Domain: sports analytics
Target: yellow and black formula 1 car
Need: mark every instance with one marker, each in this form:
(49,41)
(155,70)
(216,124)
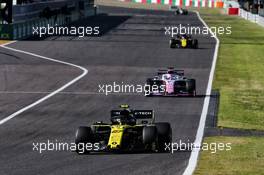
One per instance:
(129,130)
(184,41)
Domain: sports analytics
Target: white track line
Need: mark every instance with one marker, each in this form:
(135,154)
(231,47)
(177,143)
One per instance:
(85,71)
(200,132)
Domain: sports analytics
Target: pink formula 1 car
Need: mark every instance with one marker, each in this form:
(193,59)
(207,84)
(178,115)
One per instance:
(171,82)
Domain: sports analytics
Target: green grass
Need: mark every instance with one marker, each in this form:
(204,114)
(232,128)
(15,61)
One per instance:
(240,71)
(240,78)
(245,158)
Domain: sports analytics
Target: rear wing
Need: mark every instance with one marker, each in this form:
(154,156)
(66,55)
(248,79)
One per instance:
(171,71)
(174,7)
(142,116)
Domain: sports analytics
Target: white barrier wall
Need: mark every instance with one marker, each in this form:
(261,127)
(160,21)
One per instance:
(251,17)
(260,20)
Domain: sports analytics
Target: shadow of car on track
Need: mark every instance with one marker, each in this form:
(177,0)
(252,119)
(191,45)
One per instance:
(178,150)
(120,153)
(197,96)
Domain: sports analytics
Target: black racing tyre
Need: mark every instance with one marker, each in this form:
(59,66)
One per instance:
(195,44)
(149,95)
(149,81)
(191,86)
(149,134)
(149,87)
(172,43)
(164,132)
(83,136)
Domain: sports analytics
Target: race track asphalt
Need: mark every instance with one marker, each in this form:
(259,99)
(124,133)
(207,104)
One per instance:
(132,47)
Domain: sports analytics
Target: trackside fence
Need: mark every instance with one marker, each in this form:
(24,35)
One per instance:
(251,17)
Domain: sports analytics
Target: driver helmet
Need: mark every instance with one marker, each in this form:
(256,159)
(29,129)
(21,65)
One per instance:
(167,76)
(127,118)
